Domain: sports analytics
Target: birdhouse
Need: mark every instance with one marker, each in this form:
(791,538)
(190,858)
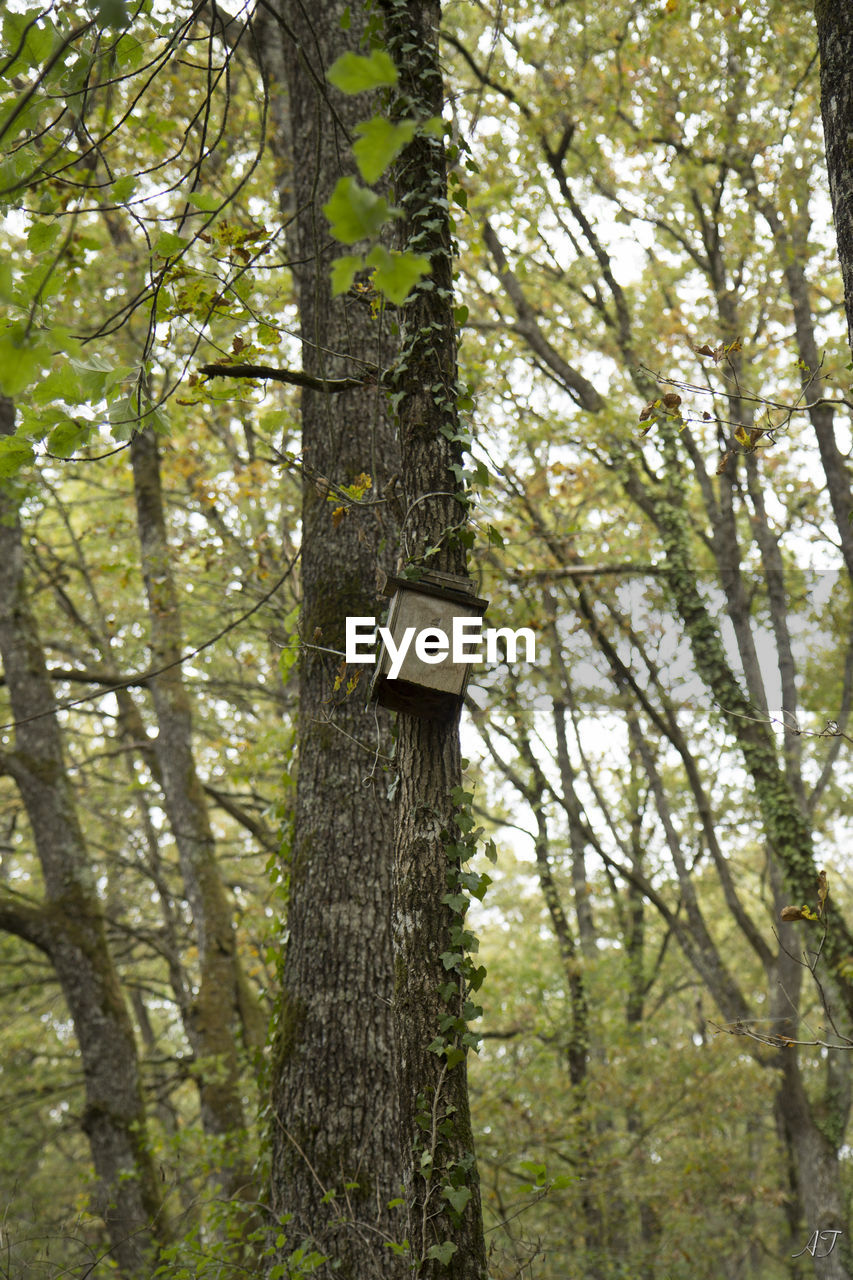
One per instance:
(432,640)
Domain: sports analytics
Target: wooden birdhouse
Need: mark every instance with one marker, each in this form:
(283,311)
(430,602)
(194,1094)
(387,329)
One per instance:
(434,627)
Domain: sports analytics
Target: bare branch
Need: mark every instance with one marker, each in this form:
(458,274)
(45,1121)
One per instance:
(294,377)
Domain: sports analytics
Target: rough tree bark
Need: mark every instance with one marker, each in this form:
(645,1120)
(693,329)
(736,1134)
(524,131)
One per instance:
(69,927)
(835,40)
(445,1228)
(334,1117)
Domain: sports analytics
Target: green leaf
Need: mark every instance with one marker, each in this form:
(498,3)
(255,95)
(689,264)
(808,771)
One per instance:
(168,244)
(128,52)
(399,1249)
(344,271)
(123,418)
(21,360)
(42,235)
(536,1170)
(39,39)
(77,75)
(67,437)
(379,144)
(354,213)
(92,376)
(15,453)
(456,901)
(112,13)
(442,1252)
(396,274)
(458,1197)
(123,188)
(352,73)
(479,890)
(204,200)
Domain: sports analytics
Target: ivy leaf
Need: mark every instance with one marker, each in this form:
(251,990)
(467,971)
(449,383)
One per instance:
(352,73)
(380,143)
(354,213)
(396,274)
(458,1197)
(442,1252)
(456,901)
(479,890)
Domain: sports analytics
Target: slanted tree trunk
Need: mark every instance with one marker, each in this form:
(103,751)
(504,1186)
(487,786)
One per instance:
(70,925)
(445,1227)
(835,40)
(335,1156)
(224,1015)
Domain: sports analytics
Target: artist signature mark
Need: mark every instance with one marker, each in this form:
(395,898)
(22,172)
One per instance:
(820,1245)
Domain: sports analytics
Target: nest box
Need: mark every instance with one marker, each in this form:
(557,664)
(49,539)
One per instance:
(434,610)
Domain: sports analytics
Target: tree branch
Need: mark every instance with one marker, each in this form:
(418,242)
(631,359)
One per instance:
(256,826)
(528,326)
(21,918)
(292,376)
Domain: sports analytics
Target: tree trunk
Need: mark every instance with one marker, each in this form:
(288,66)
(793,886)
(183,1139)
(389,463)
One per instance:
(431,985)
(224,1013)
(817,1173)
(72,925)
(788,832)
(835,40)
(335,1153)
